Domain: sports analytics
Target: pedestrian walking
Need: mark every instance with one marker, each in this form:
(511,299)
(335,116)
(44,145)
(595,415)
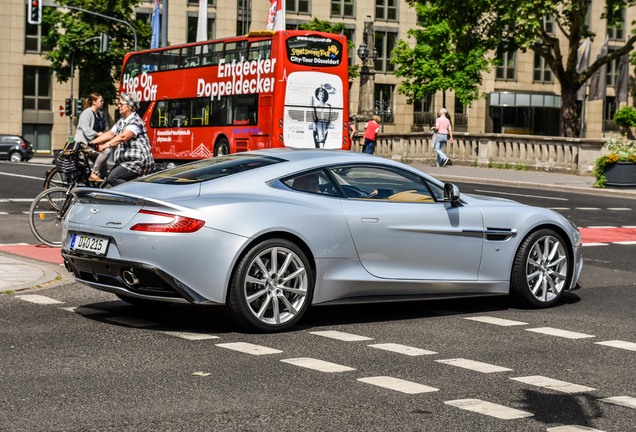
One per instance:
(444,133)
(371,134)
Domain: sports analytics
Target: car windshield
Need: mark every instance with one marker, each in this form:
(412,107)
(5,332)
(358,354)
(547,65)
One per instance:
(208,169)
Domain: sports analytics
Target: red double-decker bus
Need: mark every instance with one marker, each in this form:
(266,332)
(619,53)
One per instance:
(265,89)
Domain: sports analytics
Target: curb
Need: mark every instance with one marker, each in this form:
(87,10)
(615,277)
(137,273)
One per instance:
(26,273)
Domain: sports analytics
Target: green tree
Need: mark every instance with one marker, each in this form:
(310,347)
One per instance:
(456,43)
(74,38)
(328,27)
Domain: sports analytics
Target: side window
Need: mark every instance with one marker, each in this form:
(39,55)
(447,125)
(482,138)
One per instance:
(316,182)
(369,182)
(211,53)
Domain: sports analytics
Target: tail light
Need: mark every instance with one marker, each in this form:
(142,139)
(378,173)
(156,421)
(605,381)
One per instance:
(24,145)
(172,224)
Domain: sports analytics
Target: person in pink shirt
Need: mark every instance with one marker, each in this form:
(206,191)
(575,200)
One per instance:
(444,134)
(371,134)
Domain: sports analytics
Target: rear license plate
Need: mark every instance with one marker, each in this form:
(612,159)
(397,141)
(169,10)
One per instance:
(94,245)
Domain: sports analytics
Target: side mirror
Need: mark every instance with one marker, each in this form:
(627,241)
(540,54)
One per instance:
(451,192)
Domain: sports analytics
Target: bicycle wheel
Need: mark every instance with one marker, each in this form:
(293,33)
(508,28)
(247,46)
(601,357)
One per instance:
(45,218)
(55,179)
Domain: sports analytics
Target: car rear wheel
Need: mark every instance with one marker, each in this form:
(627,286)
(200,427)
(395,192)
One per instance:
(271,287)
(542,270)
(15,156)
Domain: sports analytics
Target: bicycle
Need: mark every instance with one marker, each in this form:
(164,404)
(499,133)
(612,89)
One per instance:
(48,209)
(58,177)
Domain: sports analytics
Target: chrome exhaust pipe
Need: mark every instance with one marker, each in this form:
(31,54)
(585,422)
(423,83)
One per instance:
(130,278)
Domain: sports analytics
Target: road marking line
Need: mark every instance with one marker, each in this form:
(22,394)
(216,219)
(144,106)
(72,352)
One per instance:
(398,384)
(249,348)
(595,244)
(573,428)
(84,310)
(631,346)
(553,384)
(402,349)
(488,408)
(474,365)
(626,401)
(633,242)
(619,208)
(12,200)
(560,333)
(496,321)
(319,365)
(601,227)
(494,192)
(190,335)
(587,208)
(132,321)
(38,299)
(559,208)
(342,336)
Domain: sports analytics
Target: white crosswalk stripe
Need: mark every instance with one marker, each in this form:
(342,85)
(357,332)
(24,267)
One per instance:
(573,428)
(342,336)
(489,409)
(474,365)
(398,384)
(496,321)
(553,384)
(626,401)
(249,348)
(84,310)
(560,333)
(38,299)
(319,365)
(191,336)
(631,346)
(402,349)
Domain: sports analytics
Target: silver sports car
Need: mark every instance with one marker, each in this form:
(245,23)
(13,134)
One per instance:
(268,233)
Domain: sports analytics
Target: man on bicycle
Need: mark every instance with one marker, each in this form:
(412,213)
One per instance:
(129,138)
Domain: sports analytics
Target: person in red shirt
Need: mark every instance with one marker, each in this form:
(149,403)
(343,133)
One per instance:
(371,134)
(444,131)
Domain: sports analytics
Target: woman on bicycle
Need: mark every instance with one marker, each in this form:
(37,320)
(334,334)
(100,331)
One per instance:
(129,139)
(90,124)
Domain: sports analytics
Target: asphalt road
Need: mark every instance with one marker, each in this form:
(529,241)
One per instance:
(76,359)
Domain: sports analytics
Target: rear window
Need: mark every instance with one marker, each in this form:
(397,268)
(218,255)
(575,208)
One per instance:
(208,169)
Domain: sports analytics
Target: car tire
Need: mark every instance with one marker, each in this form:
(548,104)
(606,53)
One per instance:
(542,269)
(271,287)
(15,156)
(222,147)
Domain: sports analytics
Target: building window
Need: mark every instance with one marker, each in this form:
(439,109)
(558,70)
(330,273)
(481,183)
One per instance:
(386,10)
(423,114)
(297,6)
(542,73)
(244,20)
(548,24)
(33,37)
(36,84)
(193,23)
(612,71)
(195,2)
(39,135)
(343,8)
(618,33)
(384,44)
(507,65)
(384,102)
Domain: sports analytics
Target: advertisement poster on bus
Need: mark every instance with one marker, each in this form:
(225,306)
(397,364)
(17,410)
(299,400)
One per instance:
(313,110)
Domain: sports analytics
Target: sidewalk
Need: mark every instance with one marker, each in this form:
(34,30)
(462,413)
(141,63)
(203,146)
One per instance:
(28,266)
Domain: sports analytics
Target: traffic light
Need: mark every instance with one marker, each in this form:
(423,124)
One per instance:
(78,107)
(68,106)
(35,12)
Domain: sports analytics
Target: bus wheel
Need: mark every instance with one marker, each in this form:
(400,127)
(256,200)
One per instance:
(222,147)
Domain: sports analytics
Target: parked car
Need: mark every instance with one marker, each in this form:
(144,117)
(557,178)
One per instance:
(15,148)
(268,233)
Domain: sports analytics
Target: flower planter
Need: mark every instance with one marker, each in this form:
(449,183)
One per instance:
(621,174)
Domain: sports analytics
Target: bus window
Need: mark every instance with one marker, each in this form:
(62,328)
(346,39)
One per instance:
(211,53)
(160,115)
(190,57)
(260,50)
(235,51)
(169,59)
(200,111)
(132,66)
(219,112)
(245,110)
(150,61)
(179,112)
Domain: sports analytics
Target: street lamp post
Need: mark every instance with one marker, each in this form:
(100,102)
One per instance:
(368,54)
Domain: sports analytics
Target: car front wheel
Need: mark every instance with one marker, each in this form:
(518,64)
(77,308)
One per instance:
(272,286)
(542,269)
